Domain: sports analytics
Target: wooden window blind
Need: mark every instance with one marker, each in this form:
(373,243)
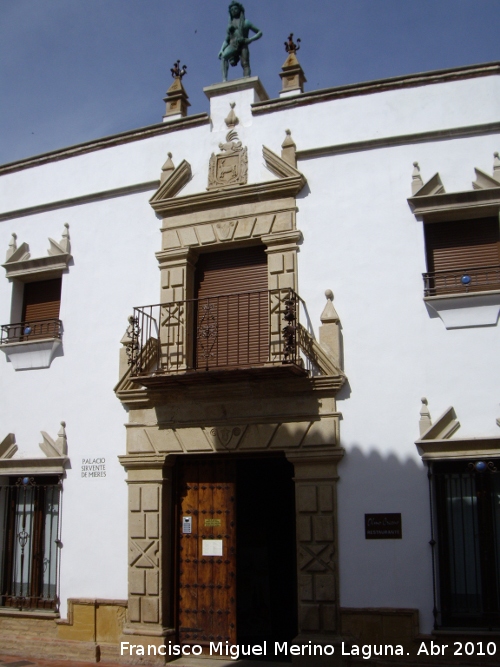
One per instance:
(463,256)
(232,308)
(462,244)
(42,300)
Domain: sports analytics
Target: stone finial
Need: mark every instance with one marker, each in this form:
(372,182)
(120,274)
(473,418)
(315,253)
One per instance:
(416,179)
(64,245)
(292,75)
(232,119)
(62,440)
(55,448)
(176,97)
(12,246)
(425,417)
(496,166)
(329,313)
(167,168)
(288,149)
(329,331)
(65,242)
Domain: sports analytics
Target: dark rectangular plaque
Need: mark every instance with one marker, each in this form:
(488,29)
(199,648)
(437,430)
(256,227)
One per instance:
(383,527)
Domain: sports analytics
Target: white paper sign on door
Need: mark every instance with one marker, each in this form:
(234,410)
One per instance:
(211,547)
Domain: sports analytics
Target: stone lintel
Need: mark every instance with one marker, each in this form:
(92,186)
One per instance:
(229,196)
(235,211)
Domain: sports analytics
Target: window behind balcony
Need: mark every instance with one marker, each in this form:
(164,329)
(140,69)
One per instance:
(462,256)
(41,304)
(232,319)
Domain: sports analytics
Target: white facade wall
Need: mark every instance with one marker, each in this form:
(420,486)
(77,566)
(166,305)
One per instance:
(360,239)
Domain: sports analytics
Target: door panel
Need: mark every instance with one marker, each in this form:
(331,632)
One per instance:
(207,583)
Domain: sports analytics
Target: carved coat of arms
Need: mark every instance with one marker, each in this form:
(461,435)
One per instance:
(229,167)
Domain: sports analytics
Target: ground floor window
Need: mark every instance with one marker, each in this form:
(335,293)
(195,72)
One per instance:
(467,505)
(29,538)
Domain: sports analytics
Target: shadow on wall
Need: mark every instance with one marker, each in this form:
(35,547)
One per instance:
(385,573)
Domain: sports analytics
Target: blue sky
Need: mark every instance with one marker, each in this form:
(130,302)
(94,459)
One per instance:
(74,70)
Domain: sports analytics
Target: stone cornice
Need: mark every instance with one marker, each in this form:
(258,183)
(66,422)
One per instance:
(54,465)
(457,204)
(458,448)
(240,194)
(37,268)
(131,395)
(377,86)
(107,142)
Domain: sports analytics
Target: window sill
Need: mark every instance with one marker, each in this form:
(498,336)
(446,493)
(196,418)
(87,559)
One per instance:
(460,311)
(28,355)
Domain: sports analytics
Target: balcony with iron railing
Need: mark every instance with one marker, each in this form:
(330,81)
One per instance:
(30,331)
(462,281)
(229,336)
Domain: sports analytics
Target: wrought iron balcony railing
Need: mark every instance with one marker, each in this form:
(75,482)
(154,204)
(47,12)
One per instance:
(258,329)
(479,279)
(30,331)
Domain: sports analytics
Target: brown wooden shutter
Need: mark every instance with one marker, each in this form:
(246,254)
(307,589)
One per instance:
(462,247)
(42,300)
(462,244)
(233,307)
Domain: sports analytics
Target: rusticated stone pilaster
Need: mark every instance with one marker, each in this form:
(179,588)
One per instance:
(317,561)
(150,534)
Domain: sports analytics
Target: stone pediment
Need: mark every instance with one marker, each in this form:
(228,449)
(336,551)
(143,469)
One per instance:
(174,183)
(289,183)
(20,265)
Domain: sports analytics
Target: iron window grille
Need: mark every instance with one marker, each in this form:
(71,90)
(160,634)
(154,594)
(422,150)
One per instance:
(30,508)
(466,504)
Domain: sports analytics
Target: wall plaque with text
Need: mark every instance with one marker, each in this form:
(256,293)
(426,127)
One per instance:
(383,527)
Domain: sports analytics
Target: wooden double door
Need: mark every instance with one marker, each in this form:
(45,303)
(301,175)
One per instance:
(236,564)
(207,552)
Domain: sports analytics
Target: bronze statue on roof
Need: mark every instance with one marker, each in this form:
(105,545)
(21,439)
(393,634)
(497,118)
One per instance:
(235,46)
